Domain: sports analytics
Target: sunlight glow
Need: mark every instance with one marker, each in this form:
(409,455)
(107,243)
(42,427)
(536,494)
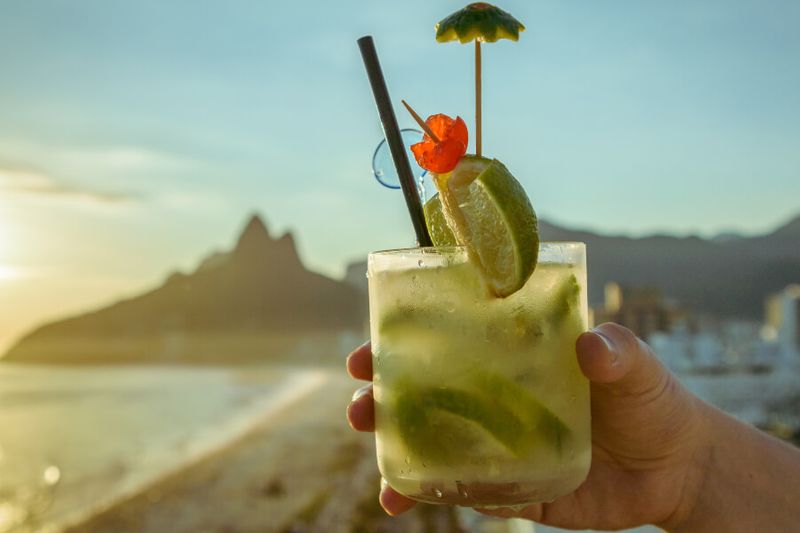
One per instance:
(6,239)
(9,273)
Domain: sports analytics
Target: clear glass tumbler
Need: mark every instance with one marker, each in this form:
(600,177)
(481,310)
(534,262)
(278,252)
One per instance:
(479,400)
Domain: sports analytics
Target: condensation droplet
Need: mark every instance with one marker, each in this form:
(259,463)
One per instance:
(420,262)
(437,493)
(408,460)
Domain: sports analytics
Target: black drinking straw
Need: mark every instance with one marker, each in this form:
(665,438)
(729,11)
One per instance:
(392,133)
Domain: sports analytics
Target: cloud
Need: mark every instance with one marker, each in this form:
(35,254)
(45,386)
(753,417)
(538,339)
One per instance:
(39,184)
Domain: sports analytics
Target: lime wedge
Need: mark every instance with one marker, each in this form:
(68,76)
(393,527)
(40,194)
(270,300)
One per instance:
(440,232)
(565,300)
(445,423)
(538,420)
(488,212)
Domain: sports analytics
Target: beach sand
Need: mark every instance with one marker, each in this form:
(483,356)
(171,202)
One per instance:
(302,469)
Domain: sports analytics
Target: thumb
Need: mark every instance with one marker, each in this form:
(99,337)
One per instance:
(612,356)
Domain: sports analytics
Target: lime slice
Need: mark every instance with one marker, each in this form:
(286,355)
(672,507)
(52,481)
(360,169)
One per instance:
(541,424)
(447,424)
(441,437)
(440,232)
(565,300)
(488,211)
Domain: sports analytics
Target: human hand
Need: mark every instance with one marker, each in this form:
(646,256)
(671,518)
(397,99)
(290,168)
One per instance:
(649,442)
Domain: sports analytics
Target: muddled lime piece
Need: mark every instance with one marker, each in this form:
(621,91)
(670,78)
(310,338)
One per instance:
(539,421)
(447,424)
(440,232)
(488,212)
(444,424)
(565,300)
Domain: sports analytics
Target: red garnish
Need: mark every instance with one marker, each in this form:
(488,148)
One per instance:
(442,156)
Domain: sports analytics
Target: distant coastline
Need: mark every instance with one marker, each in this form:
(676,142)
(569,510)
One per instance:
(253,304)
(196,348)
(258,302)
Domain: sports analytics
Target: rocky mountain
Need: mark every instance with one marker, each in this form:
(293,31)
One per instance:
(260,287)
(723,277)
(258,299)
(728,278)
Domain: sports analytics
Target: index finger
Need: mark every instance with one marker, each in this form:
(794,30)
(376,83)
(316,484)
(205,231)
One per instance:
(359,362)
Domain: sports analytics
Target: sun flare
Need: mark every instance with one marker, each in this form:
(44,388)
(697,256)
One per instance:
(9,273)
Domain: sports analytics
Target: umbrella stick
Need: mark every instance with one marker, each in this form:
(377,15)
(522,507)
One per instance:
(421,123)
(478,97)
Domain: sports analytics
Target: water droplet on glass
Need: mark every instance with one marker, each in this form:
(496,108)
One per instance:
(462,489)
(437,493)
(51,475)
(408,460)
(420,263)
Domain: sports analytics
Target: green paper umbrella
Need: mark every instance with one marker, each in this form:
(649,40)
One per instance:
(478,22)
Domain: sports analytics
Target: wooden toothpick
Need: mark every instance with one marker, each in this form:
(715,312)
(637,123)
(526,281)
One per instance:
(421,123)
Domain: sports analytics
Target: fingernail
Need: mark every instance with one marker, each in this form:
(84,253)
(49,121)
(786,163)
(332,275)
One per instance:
(363,391)
(612,349)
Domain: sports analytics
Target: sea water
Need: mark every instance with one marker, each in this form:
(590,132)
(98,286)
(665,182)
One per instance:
(73,439)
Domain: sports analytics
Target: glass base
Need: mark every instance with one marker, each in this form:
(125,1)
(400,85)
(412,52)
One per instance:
(490,494)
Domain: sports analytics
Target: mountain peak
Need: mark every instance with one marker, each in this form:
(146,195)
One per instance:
(256,246)
(254,236)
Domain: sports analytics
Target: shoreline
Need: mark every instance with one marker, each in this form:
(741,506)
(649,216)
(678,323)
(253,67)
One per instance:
(297,387)
(303,470)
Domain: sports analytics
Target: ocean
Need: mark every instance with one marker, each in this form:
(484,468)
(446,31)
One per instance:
(73,440)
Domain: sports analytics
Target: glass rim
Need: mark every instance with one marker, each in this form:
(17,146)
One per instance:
(543,245)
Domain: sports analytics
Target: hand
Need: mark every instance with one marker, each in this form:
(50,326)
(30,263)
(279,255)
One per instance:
(649,444)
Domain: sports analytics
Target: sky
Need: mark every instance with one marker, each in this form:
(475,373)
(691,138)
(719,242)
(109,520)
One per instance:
(137,137)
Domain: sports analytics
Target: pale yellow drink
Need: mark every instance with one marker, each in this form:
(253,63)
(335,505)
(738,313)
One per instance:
(479,400)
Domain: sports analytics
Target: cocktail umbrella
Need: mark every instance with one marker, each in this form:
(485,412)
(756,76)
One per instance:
(479,22)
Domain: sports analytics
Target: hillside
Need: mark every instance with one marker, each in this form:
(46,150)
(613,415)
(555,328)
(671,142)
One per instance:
(259,288)
(258,300)
(727,277)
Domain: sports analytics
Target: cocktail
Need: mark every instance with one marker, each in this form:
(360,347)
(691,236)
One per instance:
(479,400)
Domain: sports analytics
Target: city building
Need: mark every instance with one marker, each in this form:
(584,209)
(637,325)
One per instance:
(641,309)
(788,326)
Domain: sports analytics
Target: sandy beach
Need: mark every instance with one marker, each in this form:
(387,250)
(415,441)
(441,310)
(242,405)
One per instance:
(299,469)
